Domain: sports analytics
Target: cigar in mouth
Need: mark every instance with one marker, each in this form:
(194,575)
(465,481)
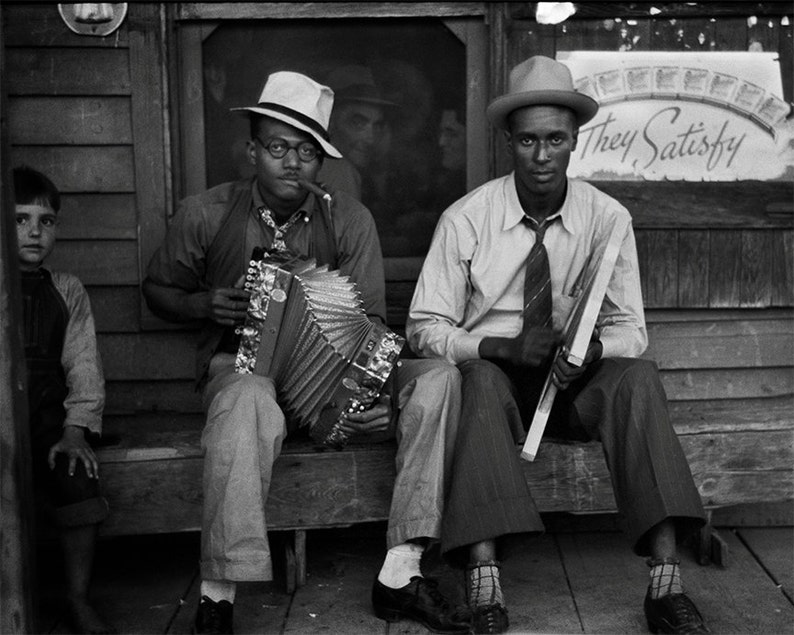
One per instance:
(315,189)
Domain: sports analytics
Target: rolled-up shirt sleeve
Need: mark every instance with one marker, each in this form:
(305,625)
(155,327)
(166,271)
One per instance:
(621,322)
(441,296)
(85,400)
(180,259)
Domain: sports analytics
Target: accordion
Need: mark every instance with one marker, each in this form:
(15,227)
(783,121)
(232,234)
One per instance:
(306,329)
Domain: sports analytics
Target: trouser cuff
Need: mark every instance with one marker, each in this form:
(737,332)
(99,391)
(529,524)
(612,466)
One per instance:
(237,570)
(412,529)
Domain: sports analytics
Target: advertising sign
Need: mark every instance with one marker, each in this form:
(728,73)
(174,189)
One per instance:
(666,115)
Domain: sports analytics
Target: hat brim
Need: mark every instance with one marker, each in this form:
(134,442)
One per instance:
(583,106)
(330,150)
(375,101)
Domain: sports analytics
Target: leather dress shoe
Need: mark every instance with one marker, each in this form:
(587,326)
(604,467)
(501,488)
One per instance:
(489,619)
(673,613)
(214,617)
(419,600)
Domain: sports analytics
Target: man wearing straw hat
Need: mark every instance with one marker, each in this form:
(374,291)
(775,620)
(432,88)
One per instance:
(493,295)
(197,275)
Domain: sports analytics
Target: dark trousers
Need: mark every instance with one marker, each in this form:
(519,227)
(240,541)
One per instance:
(618,401)
(63,500)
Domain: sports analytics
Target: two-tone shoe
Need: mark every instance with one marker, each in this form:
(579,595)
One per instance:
(214,617)
(673,613)
(421,601)
(489,619)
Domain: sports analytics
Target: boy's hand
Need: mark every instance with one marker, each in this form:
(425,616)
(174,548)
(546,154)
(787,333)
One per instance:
(375,419)
(74,446)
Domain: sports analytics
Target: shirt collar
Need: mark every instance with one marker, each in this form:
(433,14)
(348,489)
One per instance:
(305,208)
(514,214)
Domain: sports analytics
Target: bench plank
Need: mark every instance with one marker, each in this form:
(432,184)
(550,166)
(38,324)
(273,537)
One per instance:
(152,471)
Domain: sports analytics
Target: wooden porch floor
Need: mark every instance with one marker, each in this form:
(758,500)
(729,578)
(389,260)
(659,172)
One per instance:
(560,582)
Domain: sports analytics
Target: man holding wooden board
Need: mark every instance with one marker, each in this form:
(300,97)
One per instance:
(505,269)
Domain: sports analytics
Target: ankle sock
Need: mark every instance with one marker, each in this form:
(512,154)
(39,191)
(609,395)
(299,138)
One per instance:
(400,565)
(484,588)
(217,590)
(665,577)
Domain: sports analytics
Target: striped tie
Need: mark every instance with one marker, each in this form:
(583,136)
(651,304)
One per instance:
(537,283)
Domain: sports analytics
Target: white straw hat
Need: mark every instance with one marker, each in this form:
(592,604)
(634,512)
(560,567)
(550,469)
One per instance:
(299,101)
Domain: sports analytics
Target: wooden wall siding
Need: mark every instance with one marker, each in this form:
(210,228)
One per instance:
(106,262)
(70,116)
(81,120)
(113,308)
(82,168)
(98,216)
(68,71)
(715,269)
(129,397)
(88,112)
(703,205)
(679,269)
(783,270)
(702,355)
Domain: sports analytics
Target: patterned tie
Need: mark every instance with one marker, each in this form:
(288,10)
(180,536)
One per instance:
(537,283)
(279,231)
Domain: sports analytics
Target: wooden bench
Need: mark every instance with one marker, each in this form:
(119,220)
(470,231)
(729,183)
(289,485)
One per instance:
(729,377)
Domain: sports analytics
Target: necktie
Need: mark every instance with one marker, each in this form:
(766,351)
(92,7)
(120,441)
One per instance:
(279,231)
(537,283)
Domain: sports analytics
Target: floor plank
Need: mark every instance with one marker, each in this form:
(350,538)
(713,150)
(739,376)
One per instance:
(535,587)
(341,568)
(129,586)
(775,549)
(607,581)
(560,582)
(740,598)
(259,607)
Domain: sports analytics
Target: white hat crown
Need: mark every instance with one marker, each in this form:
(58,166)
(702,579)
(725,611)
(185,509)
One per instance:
(299,101)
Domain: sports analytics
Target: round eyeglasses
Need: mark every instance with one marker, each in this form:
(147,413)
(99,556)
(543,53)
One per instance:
(278,148)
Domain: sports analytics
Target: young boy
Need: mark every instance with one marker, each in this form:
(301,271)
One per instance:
(66,392)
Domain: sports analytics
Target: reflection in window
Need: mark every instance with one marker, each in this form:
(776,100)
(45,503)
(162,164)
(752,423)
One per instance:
(399,117)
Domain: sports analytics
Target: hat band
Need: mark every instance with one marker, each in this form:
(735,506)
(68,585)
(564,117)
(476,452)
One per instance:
(298,116)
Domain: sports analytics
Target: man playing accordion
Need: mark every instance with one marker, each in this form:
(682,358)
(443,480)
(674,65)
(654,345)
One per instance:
(197,274)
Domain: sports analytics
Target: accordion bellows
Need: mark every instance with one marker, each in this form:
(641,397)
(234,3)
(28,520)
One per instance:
(307,330)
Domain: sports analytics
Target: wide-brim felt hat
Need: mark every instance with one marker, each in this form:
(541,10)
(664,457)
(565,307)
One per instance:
(541,81)
(299,101)
(357,83)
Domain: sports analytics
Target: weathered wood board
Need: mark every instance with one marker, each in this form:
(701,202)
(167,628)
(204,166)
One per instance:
(732,462)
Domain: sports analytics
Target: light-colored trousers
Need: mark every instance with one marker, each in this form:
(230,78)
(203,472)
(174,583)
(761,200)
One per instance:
(243,435)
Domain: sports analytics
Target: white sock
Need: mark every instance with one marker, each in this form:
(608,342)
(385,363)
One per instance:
(400,565)
(217,590)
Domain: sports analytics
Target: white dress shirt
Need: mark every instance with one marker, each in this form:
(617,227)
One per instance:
(472,282)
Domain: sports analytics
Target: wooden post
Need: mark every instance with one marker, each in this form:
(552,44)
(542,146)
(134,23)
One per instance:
(16,511)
